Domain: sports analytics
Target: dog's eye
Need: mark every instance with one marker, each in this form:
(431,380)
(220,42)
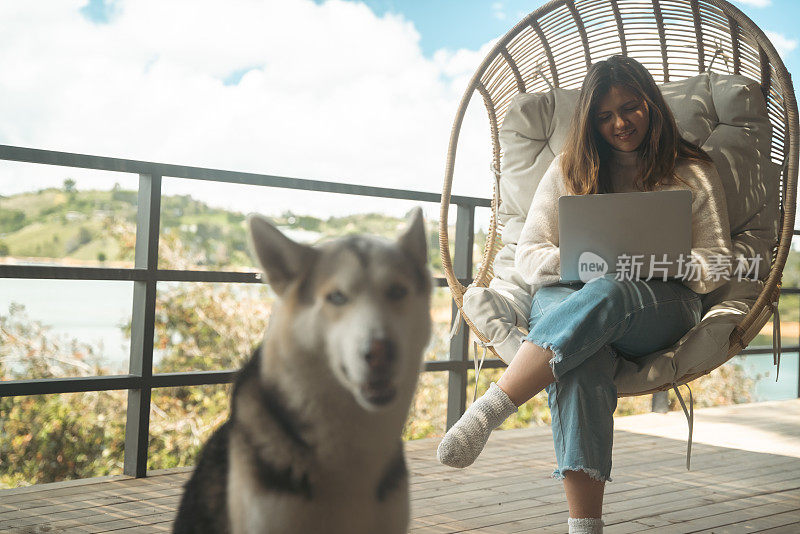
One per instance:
(396,292)
(337,298)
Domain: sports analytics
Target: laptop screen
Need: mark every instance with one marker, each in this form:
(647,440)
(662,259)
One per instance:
(641,235)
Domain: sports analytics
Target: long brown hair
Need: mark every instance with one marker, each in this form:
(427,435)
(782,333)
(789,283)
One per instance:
(584,161)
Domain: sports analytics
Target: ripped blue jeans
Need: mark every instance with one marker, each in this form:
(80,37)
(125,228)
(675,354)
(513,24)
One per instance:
(586,326)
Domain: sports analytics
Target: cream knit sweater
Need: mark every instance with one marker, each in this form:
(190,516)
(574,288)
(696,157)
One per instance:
(537,256)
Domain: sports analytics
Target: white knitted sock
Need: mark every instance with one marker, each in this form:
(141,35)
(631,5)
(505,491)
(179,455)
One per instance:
(585,525)
(465,440)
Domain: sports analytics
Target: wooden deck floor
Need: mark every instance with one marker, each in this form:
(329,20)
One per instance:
(745,477)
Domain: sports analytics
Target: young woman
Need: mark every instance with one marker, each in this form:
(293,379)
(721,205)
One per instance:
(623,138)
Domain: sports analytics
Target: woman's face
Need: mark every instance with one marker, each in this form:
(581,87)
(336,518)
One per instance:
(622,118)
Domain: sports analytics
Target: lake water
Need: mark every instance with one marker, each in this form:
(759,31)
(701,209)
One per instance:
(94,311)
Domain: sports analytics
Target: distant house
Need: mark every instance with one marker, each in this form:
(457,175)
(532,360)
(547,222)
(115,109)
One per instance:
(301,236)
(101,215)
(72,216)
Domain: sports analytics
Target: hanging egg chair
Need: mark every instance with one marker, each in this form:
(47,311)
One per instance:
(731,94)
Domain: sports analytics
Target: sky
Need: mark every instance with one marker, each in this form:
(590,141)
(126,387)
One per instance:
(338,90)
(454,24)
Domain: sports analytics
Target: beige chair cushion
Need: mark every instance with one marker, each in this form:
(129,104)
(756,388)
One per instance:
(497,318)
(726,115)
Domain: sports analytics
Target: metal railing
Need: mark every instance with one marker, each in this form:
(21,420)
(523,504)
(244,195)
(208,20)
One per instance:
(145,275)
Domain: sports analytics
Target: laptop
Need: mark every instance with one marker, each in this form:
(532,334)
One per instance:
(624,234)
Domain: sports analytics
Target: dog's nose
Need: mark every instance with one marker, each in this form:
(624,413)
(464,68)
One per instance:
(379,355)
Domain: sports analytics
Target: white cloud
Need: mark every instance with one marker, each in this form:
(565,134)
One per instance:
(497,11)
(754,3)
(329,91)
(782,44)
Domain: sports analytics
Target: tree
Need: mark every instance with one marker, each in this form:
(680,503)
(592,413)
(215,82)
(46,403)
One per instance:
(69,186)
(45,438)
(11,220)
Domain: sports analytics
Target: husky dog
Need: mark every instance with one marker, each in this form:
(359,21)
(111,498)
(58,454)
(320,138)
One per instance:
(313,443)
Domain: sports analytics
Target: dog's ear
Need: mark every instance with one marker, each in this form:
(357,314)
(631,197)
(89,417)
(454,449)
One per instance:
(282,259)
(413,240)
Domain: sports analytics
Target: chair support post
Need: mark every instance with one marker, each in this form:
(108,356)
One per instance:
(459,345)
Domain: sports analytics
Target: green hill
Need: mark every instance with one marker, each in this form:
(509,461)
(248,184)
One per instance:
(91,227)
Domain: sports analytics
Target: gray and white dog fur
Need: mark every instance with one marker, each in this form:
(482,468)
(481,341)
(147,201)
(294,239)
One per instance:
(313,443)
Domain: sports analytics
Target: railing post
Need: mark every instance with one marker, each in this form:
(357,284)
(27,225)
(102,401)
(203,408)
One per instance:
(660,402)
(459,345)
(137,425)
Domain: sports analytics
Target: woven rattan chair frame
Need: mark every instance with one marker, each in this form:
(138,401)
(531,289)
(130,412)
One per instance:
(675,39)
